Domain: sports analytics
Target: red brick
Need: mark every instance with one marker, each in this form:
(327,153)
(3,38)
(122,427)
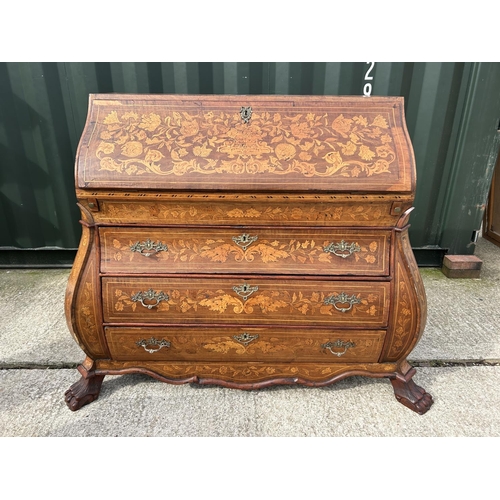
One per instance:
(461,273)
(462,262)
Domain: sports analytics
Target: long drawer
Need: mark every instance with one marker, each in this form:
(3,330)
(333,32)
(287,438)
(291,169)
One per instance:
(243,344)
(245,301)
(277,250)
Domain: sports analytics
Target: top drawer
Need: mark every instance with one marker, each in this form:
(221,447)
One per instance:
(256,250)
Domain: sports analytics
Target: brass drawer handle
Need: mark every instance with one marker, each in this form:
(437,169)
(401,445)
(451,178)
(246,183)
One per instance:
(152,341)
(342,298)
(149,295)
(338,344)
(245,240)
(245,338)
(342,249)
(245,290)
(148,247)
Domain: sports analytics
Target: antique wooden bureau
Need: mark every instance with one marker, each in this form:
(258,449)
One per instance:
(245,241)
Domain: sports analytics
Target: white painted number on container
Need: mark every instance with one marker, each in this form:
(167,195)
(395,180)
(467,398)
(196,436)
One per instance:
(367,89)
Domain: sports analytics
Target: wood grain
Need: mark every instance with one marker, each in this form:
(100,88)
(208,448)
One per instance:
(204,343)
(274,301)
(274,251)
(246,250)
(304,143)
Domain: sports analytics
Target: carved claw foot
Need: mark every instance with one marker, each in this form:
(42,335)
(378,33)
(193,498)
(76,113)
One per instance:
(84,391)
(410,394)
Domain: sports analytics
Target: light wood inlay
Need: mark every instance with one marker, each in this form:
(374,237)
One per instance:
(274,251)
(275,301)
(245,241)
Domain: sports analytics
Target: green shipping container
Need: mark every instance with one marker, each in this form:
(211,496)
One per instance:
(452,112)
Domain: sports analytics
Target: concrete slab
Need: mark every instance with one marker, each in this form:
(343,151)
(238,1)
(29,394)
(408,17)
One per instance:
(463,319)
(32,323)
(466,403)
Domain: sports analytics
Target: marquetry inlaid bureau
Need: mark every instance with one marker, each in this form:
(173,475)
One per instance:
(245,241)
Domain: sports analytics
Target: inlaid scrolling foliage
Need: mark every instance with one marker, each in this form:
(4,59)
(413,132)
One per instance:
(274,345)
(209,142)
(254,372)
(262,302)
(86,317)
(404,315)
(226,344)
(267,251)
(233,213)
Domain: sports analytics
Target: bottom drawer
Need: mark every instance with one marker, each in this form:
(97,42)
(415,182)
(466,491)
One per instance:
(184,343)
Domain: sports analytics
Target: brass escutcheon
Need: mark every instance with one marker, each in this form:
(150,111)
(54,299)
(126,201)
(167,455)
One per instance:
(246,113)
(342,298)
(339,344)
(245,290)
(149,295)
(148,247)
(342,249)
(152,341)
(245,338)
(244,240)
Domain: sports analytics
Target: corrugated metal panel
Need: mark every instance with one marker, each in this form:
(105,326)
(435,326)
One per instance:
(452,111)
(37,203)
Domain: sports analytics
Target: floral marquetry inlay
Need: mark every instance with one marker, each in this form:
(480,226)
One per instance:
(250,372)
(297,345)
(245,241)
(87,313)
(262,302)
(266,251)
(233,213)
(322,144)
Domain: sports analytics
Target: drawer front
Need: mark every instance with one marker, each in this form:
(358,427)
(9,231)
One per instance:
(243,344)
(274,251)
(277,209)
(249,301)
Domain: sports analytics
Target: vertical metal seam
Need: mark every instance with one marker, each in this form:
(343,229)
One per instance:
(463,126)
